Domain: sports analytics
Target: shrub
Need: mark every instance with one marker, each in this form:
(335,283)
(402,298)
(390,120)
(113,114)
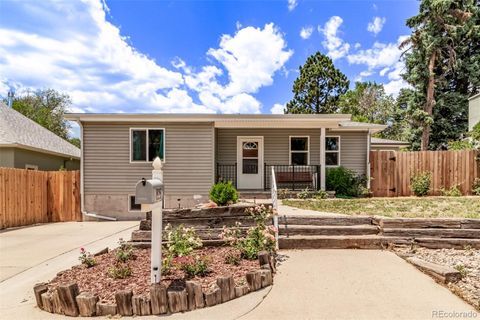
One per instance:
(167,264)
(304,194)
(258,238)
(87,258)
(321,194)
(233,257)
(181,241)
(223,193)
(420,183)
(452,192)
(120,271)
(476,187)
(344,182)
(193,266)
(283,193)
(461,145)
(124,251)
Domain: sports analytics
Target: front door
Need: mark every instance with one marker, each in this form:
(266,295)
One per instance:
(250,162)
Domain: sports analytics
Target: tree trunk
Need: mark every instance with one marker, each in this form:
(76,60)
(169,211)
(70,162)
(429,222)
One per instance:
(430,101)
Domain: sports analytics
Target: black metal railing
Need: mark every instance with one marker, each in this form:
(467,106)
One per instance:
(293,177)
(226,172)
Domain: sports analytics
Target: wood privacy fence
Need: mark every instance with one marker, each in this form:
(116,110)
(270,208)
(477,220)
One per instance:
(29,197)
(391,171)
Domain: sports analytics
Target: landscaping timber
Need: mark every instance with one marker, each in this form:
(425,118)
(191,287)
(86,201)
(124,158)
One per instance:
(177,300)
(213,296)
(38,290)
(106,309)
(87,303)
(227,288)
(443,273)
(325,221)
(47,302)
(241,290)
(195,295)
(437,233)
(158,297)
(447,243)
(141,305)
(293,230)
(254,280)
(123,300)
(266,278)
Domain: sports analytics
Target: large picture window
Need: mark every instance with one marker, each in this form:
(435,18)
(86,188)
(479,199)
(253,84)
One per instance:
(147,144)
(299,151)
(332,151)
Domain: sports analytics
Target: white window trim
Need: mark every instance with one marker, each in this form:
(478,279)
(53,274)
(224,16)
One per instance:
(290,149)
(146,129)
(31,167)
(333,151)
(129,204)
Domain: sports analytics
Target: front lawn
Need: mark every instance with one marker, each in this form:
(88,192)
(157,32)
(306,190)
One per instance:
(411,207)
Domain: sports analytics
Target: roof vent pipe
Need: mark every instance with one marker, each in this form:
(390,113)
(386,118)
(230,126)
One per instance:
(10,95)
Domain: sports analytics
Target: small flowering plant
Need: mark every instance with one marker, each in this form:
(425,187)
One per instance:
(124,251)
(86,258)
(181,241)
(192,266)
(261,214)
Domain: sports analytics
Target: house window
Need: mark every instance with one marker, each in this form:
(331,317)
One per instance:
(332,151)
(299,151)
(31,167)
(250,157)
(147,144)
(132,206)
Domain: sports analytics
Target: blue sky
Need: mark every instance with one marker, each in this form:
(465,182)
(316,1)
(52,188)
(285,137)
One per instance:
(193,56)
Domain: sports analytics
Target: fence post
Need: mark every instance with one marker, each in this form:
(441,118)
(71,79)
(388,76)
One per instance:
(264,176)
(293,177)
(318,178)
(235,175)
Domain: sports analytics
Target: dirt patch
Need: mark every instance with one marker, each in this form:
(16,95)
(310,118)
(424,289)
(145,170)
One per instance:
(98,281)
(467,262)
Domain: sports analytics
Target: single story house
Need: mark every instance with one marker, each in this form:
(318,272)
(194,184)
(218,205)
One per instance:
(25,144)
(200,149)
(378,144)
(473,111)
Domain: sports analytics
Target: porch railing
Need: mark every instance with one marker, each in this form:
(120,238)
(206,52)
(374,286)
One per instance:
(226,172)
(293,177)
(274,197)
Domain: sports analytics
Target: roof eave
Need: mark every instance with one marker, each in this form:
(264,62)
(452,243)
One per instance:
(22,146)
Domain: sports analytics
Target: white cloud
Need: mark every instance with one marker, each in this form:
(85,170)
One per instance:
(337,48)
(384,71)
(306,32)
(357,45)
(376,25)
(292,4)
(277,108)
(380,55)
(70,46)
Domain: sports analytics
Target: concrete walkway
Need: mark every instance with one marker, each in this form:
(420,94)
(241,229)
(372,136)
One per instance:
(292,211)
(35,254)
(354,284)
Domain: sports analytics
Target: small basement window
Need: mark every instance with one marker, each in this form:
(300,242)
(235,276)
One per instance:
(299,151)
(147,144)
(132,206)
(332,151)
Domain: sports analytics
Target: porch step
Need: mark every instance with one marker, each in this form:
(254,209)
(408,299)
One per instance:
(339,242)
(253,194)
(322,220)
(148,244)
(292,230)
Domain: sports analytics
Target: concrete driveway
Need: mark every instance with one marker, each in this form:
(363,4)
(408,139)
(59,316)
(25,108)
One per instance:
(35,254)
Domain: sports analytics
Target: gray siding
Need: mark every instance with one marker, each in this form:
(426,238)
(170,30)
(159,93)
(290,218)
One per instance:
(188,168)
(19,158)
(7,158)
(353,145)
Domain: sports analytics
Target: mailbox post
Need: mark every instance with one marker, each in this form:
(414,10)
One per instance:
(149,193)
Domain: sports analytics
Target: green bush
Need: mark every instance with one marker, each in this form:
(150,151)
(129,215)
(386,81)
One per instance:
(124,251)
(194,266)
(181,241)
(120,271)
(223,193)
(305,194)
(452,192)
(476,187)
(344,182)
(420,183)
(321,194)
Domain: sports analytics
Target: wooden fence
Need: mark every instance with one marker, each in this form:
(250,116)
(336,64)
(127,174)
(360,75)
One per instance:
(391,171)
(29,197)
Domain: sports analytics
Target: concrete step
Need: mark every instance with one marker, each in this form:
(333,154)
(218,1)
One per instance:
(339,242)
(293,230)
(148,244)
(322,220)
(434,233)
(254,194)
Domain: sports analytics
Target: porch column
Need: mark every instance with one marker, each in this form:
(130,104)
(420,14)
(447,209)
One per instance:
(322,158)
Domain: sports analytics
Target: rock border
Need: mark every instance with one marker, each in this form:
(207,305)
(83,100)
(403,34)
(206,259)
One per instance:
(67,300)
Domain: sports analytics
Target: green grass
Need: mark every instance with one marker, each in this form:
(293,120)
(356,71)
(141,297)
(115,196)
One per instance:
(412,207)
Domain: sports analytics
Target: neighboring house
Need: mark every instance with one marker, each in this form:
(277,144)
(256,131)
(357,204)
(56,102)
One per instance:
(197,150)
(378,144)
(27,145)
(473,111)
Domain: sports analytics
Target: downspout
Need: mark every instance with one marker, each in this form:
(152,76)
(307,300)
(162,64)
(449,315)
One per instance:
(368,157)
(82,198)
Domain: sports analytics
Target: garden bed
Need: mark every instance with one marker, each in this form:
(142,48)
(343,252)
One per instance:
(97,280)
(466,261)
(407,207)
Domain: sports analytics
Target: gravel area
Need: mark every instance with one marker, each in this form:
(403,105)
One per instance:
(98,281)
(467,262)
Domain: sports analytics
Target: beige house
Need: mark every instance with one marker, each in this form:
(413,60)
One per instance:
(25,144)
(197,150)
(473,111)
(379,144)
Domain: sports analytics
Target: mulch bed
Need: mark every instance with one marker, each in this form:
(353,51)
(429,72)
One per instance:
(467,260)
(98,281)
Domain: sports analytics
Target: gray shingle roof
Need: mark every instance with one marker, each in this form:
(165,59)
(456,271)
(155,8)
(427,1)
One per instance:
(18,130)
(387,141)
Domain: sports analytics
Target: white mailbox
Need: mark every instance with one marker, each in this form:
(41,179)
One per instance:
(148,191)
